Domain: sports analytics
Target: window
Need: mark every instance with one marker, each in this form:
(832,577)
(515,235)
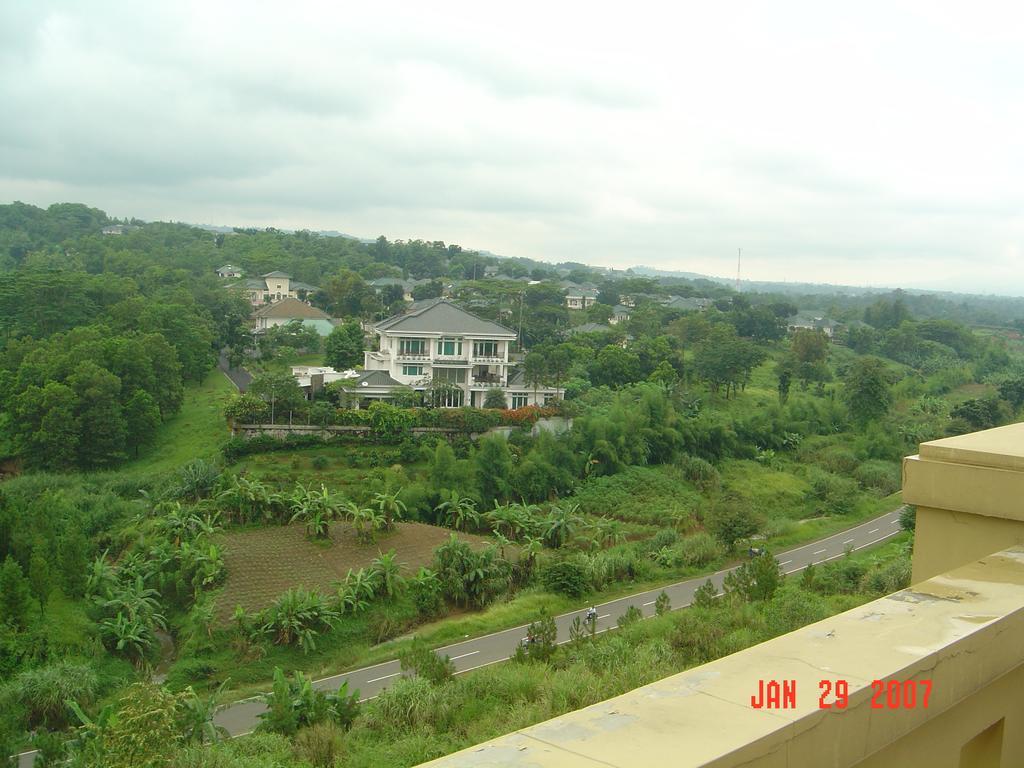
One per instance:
(412,370)
(485,349)
(520,399)
(449,347)
(450,375)
(412,346)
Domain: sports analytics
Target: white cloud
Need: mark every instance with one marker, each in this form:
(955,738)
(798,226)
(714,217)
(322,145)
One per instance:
(876,144)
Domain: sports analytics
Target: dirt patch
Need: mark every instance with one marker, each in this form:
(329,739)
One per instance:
(263,563)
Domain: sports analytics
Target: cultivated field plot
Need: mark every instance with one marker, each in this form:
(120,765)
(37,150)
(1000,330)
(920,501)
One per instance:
(261,564)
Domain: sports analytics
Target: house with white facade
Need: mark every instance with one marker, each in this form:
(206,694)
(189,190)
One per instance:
(273,287)
(441,343)
(229,270)
(580,297)
(292,310)
(620,314)
(812,322)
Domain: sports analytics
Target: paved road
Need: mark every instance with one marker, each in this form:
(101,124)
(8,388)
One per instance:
(240,377)
(241,717)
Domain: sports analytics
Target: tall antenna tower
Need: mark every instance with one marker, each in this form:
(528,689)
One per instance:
(739,257)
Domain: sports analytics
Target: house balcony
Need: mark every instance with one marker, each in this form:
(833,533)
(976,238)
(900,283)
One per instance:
(493,360)
(488,381)
(452,359)
(413,357)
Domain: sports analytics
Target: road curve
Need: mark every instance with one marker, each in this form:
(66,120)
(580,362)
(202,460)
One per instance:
(241,717)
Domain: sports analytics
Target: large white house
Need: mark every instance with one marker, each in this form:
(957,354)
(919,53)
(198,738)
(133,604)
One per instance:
(439,342)
(273,287)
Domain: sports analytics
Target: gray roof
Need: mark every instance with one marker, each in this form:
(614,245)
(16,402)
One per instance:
(297,286)
(441,316)
(372,379)
(678,302)
(620,309)
(253,284)
(227,268)
(382,281)
(277,274)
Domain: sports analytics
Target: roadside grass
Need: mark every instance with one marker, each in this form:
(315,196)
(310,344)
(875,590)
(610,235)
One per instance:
(196,431)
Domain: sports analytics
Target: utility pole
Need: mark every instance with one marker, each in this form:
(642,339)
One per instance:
(522,297)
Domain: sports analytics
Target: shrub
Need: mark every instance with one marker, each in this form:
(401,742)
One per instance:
(419,659)
(700,472)
(881,475)
(838,458)
(792,607)
(666,537)
(567,577)
(45,691)
(832,494)
(320,745)
(320,462)
(298,616)
(699,550)
(631,616)
(890,577)
(663,604)
(908,517)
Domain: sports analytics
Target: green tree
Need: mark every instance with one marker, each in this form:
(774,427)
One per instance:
(74,561)
(732,519)
(704,596)
(343,348)
(45,426)
(493,462)
(495,398)
(867,389)
(142,417)
(99,415)
(615,367)
(39,577)
(15,595)
(280,391)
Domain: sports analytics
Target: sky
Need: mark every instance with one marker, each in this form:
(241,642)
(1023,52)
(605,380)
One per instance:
(862,144)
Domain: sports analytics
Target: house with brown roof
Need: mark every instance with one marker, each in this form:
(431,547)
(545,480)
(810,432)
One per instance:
(288,310)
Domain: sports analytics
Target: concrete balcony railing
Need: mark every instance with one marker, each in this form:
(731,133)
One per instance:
(958,632)
(489,359)
(419,357)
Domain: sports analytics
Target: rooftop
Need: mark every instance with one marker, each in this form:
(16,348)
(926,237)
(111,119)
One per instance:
(291,308)
(441,316)
(277,274)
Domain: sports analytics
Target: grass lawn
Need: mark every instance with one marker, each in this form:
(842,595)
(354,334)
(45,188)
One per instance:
(196,431)
(263,562)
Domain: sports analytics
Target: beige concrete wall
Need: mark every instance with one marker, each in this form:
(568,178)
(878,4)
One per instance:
(946,741)
(969,492)
(945,539)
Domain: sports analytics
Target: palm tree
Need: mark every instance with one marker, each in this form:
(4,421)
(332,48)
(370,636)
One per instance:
(365,521)
(460,512)
(561,524)
(388,571)
(197,717)
(390,507)
(530,549)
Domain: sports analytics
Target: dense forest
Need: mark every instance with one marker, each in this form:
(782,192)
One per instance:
(127,510)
